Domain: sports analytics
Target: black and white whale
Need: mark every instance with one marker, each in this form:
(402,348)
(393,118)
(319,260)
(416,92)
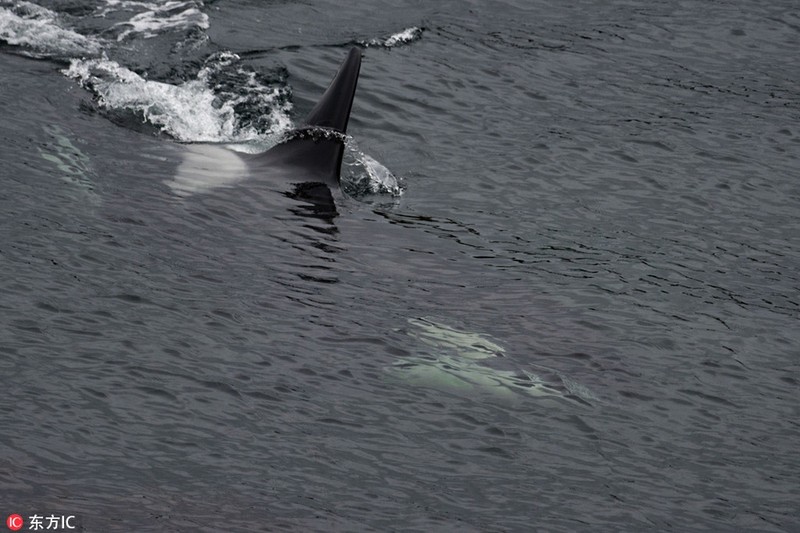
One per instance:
(309,160)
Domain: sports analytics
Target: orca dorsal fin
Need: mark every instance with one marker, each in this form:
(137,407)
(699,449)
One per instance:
(310,156)
(333,109)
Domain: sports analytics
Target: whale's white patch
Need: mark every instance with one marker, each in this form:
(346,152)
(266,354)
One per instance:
(460,363)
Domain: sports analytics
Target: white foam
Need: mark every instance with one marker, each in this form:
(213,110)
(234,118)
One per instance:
(151,21)
(408,35)
(38,29)
(203,109)
(189,112)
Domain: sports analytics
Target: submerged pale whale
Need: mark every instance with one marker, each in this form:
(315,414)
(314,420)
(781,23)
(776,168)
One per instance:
(461,362)
(309,160)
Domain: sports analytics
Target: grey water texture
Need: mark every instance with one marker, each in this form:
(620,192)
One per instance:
(559,292)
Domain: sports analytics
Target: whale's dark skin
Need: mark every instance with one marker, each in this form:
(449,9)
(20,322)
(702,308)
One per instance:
(309,161)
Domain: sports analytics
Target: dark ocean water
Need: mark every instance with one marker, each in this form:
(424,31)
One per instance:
(581,314)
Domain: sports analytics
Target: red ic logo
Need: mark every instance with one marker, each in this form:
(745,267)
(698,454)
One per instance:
(14,522)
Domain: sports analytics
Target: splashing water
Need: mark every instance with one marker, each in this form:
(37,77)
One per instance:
(361,173)
(37,29)
(364,175)
(152,21)
(225,103)
(189,112)
(406,36)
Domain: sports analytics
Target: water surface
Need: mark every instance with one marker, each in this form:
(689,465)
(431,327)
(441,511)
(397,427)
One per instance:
(596,254)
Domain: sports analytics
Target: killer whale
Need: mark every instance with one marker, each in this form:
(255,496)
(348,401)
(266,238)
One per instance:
(464,363)
(309,160)
(312,155)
